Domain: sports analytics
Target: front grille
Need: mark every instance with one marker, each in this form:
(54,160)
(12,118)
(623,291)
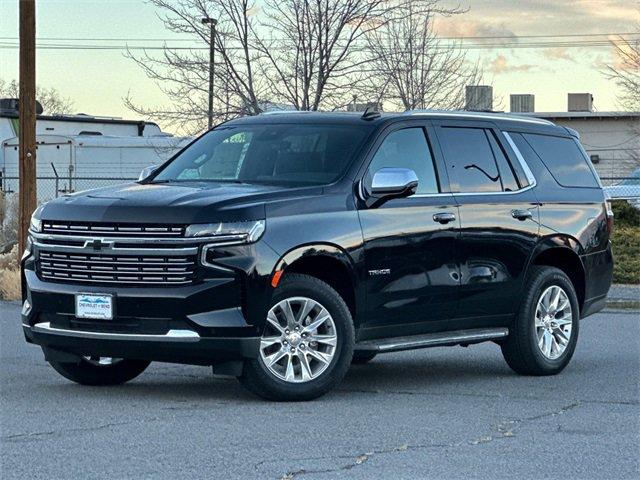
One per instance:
(121,269)
(88,229)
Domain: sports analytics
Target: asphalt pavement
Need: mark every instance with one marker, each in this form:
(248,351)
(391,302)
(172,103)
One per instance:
(445,413)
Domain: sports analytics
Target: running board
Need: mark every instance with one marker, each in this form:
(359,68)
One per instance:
(458,337)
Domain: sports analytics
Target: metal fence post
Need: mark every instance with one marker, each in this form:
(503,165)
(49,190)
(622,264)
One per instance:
(55,172)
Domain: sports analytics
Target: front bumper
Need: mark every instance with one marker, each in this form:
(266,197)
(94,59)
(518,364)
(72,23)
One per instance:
(206,322)
(176,346)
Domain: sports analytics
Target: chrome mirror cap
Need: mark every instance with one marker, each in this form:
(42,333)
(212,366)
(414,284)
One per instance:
(394,182)
(147,171)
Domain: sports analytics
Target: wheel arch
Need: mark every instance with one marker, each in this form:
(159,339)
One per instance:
(563,252)
(327,262)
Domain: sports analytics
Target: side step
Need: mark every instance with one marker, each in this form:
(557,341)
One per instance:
(457,337)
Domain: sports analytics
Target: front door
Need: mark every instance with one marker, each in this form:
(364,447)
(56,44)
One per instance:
(498,217)
(410,243)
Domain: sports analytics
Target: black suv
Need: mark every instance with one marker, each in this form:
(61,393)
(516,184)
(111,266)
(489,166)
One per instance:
(282,248)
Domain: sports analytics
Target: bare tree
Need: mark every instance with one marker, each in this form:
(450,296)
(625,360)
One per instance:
(626,72)
(183,74)
(413,68)
(318,58)
(53,103)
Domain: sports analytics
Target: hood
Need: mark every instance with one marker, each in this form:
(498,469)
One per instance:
(175,203)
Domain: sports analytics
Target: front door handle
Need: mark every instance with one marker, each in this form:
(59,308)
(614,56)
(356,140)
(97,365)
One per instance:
(444,217)
(522,214)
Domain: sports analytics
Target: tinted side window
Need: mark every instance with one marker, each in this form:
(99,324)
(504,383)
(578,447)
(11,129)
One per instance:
(407,148)
(470,161)
(564,160)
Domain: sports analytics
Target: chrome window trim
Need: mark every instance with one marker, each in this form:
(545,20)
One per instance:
(525,167)
(170,336)
(523,163)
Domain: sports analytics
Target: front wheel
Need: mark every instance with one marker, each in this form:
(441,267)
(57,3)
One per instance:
(307,343)
(100,370)
(545,332)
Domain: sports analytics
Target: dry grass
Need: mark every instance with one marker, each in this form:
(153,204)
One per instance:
(8,220)
(10,275)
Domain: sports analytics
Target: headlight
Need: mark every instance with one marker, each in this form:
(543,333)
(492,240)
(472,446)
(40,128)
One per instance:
(228,233)
(36,224)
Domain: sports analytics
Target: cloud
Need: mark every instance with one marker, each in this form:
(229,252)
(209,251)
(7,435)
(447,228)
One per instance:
(458,27)
(500,64)
(558,53)
(551,17)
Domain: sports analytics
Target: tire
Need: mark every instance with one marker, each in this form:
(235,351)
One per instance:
(275,382)
(524,350)
(362,357)
(87,372)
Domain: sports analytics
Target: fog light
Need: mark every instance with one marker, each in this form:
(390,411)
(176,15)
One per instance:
(26,308)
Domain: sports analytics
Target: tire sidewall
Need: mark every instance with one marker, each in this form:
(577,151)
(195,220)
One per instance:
(554,277)
(303,286)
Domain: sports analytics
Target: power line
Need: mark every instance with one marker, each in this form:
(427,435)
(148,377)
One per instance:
(475,46)
(457,38)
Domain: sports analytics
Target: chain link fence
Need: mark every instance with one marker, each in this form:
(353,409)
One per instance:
(622,188)
(51,187)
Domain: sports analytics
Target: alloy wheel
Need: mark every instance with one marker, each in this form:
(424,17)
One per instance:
(553,322)
(299,342)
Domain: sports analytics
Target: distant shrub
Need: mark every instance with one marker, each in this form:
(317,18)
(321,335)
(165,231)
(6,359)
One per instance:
(10,275)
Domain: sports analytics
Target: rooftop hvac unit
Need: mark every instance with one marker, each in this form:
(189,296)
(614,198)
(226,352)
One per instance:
(479,98)
(523,103)
(580,102)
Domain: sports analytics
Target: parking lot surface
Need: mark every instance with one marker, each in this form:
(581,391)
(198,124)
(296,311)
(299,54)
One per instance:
(439,413)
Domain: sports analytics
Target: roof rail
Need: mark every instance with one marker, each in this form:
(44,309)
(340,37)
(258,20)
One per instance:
(480,115)
(276,112)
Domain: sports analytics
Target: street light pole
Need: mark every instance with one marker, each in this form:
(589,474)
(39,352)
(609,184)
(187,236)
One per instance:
(212,53)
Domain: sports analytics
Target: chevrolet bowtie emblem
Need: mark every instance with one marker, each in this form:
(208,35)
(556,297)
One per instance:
(98,244)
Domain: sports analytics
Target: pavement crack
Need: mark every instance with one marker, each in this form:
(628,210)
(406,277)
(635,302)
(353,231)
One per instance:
(355,460)
(36,435)
(505,428)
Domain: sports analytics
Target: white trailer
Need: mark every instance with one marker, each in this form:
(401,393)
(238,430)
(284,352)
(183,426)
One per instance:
(70,163)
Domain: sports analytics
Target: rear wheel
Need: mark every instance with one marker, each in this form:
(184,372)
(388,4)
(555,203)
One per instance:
(307,343)
(544,334)
(100,370)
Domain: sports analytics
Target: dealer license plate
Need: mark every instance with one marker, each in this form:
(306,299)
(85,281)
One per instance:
(94,306)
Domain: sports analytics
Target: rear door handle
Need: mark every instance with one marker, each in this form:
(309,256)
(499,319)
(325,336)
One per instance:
(444,217)
(521,214)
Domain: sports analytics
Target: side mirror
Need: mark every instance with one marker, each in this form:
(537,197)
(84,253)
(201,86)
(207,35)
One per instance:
(147,171)
(389,183)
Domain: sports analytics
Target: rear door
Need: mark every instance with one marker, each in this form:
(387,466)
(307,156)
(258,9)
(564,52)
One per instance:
(499,218)
(410,255)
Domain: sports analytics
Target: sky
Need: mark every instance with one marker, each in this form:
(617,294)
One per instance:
(97,81)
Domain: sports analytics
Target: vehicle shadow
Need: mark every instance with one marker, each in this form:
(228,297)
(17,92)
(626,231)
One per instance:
(390,373)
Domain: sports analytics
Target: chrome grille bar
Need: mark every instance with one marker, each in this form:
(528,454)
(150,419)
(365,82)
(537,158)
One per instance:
(98,268)
(114,229)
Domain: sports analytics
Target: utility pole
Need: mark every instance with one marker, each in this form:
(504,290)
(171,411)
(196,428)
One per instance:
(27,112)
(212,55)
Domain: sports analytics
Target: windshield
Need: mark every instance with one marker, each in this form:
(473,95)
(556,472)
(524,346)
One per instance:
(279,154)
